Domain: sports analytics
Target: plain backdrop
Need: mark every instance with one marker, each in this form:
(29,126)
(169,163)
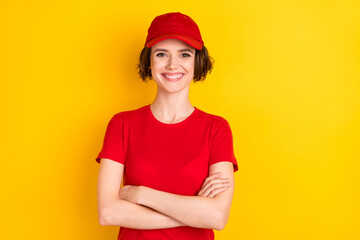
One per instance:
(286,77)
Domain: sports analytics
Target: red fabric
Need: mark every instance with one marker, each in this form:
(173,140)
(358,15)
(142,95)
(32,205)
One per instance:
(174,158)
(174,25)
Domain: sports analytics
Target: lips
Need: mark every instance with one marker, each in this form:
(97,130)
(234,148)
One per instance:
(172,76)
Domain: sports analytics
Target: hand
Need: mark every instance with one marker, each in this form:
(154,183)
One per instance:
(214,185)
(130,193)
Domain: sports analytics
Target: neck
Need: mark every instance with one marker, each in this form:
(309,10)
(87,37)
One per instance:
(171,107)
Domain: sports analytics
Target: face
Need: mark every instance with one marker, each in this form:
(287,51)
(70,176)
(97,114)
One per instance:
(172,65)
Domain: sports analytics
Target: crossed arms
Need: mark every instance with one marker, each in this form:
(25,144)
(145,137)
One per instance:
(142,207)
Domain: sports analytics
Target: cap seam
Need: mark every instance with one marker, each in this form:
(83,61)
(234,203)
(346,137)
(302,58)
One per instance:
(181,33)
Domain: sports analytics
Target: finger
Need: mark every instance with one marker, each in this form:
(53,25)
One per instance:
(214,175)
(215,192)
(216,186)
(214,181)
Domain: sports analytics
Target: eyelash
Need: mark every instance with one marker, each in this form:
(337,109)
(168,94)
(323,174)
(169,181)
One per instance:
(186,55)
(158,55)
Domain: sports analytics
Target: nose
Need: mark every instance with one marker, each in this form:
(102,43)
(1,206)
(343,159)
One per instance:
(172,63)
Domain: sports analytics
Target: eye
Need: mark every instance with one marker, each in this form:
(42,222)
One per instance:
(185,55)
(160,54)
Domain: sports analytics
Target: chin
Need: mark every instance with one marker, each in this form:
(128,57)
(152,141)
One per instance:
(173,90)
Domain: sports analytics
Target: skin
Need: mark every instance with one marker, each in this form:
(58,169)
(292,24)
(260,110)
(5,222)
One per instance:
(172,103)
(142,207)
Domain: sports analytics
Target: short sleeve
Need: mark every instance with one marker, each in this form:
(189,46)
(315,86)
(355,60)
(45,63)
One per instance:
(113,143)
(221,146)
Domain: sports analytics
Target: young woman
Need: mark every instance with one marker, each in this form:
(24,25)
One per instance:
(176,160)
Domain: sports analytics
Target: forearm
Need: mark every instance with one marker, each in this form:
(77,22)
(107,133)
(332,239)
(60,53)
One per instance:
(126,214)
(195,211)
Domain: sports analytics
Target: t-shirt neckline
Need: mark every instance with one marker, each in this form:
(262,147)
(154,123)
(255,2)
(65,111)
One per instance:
(171,124)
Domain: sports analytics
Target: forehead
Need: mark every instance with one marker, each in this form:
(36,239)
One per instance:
(172,44)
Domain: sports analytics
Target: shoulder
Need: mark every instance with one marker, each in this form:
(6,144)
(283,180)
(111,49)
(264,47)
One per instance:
(216,125)
(128,114)
(123,120)
(212,119)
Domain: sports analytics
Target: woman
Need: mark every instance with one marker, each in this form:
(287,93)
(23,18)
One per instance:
(177,161)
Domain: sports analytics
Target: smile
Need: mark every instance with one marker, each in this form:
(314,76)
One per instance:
(172,77)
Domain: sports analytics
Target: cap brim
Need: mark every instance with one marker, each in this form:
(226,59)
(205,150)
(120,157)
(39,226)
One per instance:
(191,41)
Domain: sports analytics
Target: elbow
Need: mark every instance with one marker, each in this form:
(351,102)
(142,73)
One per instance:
(103,221)
(221,221)
(104,217)
(220,226)
(108,213)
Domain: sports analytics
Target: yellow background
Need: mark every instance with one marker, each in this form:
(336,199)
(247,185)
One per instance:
(286,78)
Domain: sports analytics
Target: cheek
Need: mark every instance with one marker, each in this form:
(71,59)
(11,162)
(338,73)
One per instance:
(191,66)
(156,64)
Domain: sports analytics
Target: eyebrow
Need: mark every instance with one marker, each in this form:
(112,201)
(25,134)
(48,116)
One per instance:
(181,50)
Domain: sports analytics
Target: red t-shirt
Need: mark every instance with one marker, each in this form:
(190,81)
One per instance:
(174,158)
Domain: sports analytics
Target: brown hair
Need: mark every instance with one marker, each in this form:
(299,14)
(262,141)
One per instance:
(203,64)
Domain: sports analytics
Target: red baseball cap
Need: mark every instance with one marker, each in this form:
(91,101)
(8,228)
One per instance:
(174,25)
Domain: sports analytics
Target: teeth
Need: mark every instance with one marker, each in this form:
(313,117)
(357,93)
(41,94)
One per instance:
(173,76)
